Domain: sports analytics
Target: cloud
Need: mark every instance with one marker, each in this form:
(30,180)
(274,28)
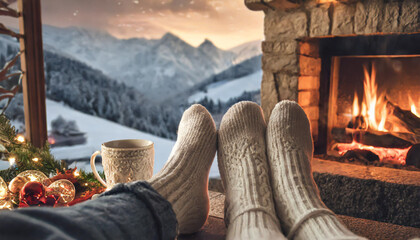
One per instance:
(225,22)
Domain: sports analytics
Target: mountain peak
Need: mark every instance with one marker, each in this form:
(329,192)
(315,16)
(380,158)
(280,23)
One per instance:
(206,44)
(170,37)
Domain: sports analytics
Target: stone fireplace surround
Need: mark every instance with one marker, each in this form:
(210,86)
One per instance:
(292,68)
(291,61)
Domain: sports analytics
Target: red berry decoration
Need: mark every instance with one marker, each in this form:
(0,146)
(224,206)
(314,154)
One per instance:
(51,200)
(32,194)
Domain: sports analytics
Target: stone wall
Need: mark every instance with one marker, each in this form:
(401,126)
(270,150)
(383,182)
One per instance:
(291,62)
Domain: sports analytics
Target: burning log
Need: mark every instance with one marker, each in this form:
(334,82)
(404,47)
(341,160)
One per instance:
(360,155)
(379,139)
(372,137)
(406,119)
(413,156)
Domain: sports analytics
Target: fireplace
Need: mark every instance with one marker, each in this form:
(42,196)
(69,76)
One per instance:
(320,53)
(370,97)
(354,68)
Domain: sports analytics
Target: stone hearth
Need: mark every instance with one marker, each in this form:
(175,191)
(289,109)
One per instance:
(376,193)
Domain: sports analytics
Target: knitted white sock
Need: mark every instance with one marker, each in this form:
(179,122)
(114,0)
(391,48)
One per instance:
(183,181)
(249,206)
(299,207)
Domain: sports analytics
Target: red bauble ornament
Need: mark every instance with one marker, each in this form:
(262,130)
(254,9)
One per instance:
(32,194)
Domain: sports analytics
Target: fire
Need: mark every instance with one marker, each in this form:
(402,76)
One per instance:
(373,108)
(372,115)
(413,107)
(356,105)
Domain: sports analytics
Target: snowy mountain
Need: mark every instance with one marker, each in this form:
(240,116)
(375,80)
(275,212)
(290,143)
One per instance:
(159,68)
(229,89)
(90,91)
(246,51)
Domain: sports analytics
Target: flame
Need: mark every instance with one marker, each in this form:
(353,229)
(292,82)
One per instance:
(413,107)
(375,116)
(373,108)
(356,110)
(373,105)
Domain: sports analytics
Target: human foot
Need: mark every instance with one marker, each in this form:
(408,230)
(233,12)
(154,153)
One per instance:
(299,207)
(249,207)
(183,181)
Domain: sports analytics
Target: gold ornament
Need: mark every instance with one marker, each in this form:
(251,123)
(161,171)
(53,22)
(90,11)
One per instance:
(17,183)
(3,189)
(63,188)
(5,202)
(35,175)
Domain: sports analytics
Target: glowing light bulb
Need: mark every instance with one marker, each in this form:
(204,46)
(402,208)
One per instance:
(76,173)
(12,161)
(32,178)
(20,138)
(35,159)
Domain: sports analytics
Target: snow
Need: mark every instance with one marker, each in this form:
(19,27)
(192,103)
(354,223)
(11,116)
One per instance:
(98,131)
(225,90)
(246,51)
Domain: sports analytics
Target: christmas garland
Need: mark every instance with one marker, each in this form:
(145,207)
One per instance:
(25,159)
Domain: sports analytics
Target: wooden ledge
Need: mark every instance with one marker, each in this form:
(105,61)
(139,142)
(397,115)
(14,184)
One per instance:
(262,5)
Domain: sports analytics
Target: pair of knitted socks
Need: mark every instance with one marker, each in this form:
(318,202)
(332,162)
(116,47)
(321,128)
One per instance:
(260,190)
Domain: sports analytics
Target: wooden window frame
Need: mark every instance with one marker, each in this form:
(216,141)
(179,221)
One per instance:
(32,66)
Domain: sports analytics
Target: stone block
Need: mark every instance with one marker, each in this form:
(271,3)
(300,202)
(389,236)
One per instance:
(409,19)
(267,47)
(285,47)
(281,25)
(320,21)
(310,49)
(308,98)
(389,22)
(269,94)
(367,17)
(280,63)
(287,86)
(308,83)
(309,66)
(343,19)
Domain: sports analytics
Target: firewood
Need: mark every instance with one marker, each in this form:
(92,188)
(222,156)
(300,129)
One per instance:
(407,119)
(413,156)
(378,139)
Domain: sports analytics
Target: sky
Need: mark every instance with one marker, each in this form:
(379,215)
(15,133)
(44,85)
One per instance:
(227,23)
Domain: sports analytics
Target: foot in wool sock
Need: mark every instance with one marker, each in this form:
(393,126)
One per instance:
(183,181)
(249,206)
(299,207)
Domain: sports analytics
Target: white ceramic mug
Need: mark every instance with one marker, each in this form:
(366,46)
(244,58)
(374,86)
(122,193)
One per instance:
(125,161)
